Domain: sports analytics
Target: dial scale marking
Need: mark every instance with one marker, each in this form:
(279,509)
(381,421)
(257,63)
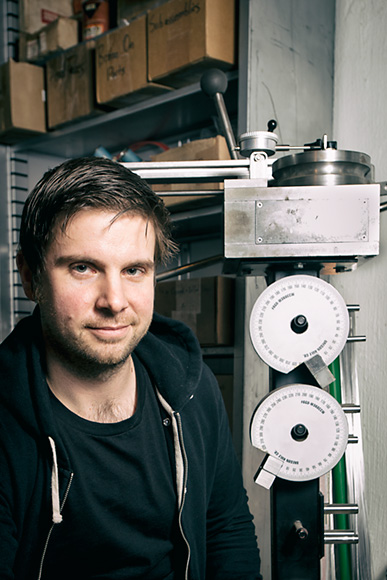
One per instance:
(316,410)
(290,299)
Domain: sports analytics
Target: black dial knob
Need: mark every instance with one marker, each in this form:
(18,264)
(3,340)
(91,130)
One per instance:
(213,81)
(299,324)
(299,432)
(271,125)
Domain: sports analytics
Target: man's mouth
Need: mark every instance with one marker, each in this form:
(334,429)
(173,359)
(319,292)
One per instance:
(109,331)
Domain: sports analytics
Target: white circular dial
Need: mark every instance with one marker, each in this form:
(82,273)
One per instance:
(302,426)
(296,318)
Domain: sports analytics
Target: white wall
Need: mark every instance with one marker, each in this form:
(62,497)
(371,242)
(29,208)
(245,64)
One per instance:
(360,124)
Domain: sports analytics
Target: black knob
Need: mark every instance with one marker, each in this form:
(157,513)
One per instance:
(299,432)
(213,81)
(271,125)
(299,324)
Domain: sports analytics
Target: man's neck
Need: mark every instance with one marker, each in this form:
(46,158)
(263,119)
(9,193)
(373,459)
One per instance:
(103,399)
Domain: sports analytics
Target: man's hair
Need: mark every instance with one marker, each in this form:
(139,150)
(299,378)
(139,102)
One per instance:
(88,182)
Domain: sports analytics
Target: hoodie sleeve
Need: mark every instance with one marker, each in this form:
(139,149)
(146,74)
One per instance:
(216,518)
(8,528)
(232,550)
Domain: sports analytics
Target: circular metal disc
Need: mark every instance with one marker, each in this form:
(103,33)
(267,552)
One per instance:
(257,141)
(315,410)
(272,328)
(323,167)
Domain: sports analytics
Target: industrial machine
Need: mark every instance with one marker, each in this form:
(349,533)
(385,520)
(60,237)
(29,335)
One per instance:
(313,211)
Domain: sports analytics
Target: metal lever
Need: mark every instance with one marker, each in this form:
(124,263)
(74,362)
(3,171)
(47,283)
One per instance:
(214,84)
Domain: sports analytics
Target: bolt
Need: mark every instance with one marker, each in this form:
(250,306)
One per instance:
(301,532)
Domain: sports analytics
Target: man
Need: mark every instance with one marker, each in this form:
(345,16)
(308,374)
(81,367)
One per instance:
(115,455)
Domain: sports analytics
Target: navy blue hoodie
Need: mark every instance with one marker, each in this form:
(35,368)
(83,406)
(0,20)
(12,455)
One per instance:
(36,474)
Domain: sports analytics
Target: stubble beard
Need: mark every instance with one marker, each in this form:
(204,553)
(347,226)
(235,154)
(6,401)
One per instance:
(87,361)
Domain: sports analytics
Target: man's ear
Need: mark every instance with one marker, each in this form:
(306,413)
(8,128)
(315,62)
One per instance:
(25,275)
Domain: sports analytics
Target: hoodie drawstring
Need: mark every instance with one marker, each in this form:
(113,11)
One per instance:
(56,515)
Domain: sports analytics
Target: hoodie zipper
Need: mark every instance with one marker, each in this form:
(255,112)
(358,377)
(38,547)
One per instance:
(52,527)
(185,462)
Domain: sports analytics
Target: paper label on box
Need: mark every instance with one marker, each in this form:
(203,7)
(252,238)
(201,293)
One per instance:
(48,16)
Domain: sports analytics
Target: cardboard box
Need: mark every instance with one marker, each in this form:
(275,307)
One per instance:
(200,150)
(22,101)
(59,35)
(35,14)
(206,305)
(70,83)
(186,37)
(121,66)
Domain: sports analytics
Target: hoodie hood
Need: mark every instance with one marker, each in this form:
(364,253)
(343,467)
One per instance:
(23,387)
(171,353)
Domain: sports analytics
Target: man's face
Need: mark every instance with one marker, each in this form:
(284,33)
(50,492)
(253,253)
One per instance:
(96,291)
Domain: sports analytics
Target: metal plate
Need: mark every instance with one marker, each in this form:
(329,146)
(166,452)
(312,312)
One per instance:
(311,221)
(321,416)
(275,329)
(300,222)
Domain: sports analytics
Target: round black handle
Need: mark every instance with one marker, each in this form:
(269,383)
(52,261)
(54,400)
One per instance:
(213,81)
(271,125)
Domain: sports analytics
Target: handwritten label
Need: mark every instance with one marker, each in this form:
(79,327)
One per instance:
(190,7)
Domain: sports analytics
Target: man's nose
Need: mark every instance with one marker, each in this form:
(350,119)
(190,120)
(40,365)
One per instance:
(112,295)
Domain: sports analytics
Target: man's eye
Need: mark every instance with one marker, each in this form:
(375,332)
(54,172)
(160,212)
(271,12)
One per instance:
(80,268)
(133,271)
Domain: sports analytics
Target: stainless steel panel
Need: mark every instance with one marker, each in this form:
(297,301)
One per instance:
(296,222)
(309,221)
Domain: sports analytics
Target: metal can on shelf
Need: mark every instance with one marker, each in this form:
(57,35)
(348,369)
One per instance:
(95,18)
